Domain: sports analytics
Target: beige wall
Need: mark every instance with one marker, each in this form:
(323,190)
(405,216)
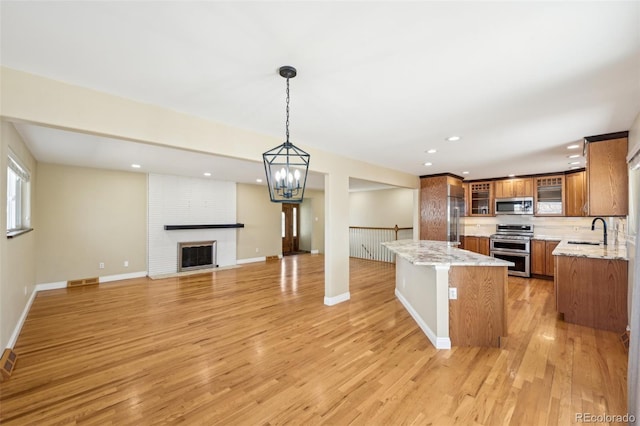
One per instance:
(44,101)
(381,209)
(261,233)
(261,220)
(17,255)
(87,216)
(312,221)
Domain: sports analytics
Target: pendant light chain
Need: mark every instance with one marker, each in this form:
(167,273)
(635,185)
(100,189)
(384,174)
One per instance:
(286,166)
(287,123)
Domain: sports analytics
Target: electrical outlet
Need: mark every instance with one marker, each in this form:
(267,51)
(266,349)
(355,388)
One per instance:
(257,250)
(453,293)
(25,290)
(126,263)
(101,265)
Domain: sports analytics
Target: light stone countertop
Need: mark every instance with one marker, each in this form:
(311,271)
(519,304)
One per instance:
(617,252)
(432,253)
(480,234)
(548,237)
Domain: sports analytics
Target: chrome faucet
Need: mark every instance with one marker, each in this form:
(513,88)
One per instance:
(604,224)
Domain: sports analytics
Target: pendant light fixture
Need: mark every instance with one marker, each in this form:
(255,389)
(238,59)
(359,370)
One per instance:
(286,165)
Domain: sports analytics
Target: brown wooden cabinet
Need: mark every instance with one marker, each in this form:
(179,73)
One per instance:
(542,257)
(592,292)
(607,177)
(509,188)
(549,195)
(575,194)
(434,206)
(481,199)
(476,244)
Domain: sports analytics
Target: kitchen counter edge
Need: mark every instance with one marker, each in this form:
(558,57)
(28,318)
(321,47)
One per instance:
(440,253)
(614,252)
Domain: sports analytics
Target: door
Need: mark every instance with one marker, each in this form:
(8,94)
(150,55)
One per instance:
(290,225)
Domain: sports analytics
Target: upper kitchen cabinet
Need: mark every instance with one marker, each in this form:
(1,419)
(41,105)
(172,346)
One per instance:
(509,188)
(575,194)
(549,197)
(441,206)
(480,198)
(607,175)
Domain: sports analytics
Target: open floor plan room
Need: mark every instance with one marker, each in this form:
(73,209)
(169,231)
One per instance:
(256,345)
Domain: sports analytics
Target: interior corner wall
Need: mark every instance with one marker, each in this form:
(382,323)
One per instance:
(86,217)
(383,208)
(17,255)
(260,236)
(312,221)
(633,375)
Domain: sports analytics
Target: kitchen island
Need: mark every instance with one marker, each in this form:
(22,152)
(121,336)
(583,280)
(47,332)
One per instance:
(457,297)
(591,284)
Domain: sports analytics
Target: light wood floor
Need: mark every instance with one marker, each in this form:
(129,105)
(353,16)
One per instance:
(255,345)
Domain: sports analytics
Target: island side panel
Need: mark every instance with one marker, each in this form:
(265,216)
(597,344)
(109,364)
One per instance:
(478,317)
(417,289)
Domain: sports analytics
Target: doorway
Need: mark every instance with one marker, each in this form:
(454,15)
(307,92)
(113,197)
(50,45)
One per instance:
(290,226)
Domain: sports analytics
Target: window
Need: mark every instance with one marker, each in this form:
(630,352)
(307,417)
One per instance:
(18,208)
(295,222)
(282,225)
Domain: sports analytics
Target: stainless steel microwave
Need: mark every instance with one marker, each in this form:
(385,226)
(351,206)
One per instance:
(519,205)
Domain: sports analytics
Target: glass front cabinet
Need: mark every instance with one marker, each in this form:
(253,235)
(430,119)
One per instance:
(481,198)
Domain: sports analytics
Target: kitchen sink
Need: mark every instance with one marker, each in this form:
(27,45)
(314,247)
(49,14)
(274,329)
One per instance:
(589,243)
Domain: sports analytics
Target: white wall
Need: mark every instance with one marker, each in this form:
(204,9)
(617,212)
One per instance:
(176,200)
(634,273)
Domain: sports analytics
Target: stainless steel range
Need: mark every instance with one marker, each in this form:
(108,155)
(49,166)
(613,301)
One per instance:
(513,243)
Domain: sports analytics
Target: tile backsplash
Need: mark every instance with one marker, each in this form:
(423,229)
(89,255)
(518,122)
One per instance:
(560,227)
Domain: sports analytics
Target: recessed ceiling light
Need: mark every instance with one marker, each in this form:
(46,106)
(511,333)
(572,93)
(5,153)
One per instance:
(453,138)
(135,166)
(574,146)
(259,180)
(207,174)
(428,164)
(574,163)
(465,173)
(511,175)
(431,151)
(574,167)
(573,156)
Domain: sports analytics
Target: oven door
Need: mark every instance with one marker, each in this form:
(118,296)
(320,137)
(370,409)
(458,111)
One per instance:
(500,244)
(521,261)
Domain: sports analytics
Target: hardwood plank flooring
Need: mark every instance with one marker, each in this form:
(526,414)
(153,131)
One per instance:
(256,345)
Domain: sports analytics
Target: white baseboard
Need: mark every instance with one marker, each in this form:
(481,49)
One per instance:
(251,260)
(330,301)
(118,277)
(316,251)
(438,342)
(51,286)
(16,331)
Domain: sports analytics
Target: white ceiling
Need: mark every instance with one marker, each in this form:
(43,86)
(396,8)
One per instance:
(378,81)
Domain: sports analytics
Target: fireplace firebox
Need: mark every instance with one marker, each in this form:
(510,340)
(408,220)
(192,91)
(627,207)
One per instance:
(197,255)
